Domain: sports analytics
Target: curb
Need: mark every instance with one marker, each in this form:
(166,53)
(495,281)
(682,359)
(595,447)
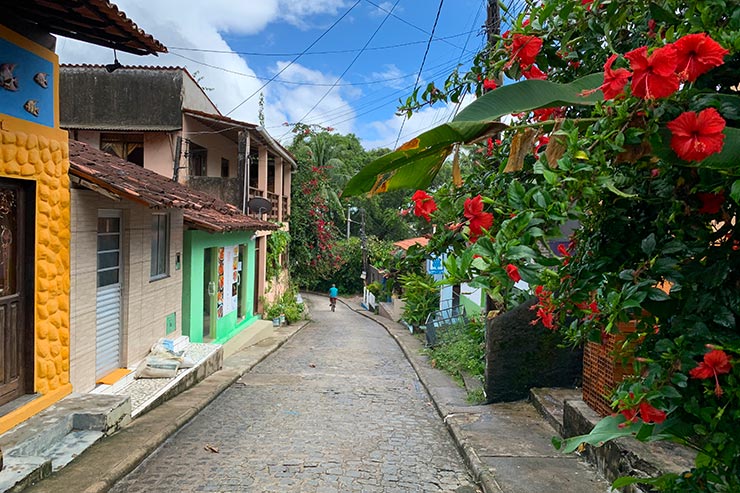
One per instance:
(480,472)
(145,434)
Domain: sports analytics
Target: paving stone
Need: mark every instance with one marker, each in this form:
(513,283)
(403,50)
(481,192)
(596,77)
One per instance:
(337,408)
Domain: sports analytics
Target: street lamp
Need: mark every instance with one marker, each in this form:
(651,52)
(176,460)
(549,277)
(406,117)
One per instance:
(350,210)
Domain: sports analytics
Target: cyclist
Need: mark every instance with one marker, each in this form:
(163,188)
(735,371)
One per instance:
(333,293)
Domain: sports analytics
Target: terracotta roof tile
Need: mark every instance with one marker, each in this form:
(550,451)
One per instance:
(408,243)
(132,182)
(93,21)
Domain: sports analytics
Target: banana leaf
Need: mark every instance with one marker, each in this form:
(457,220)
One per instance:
(415,164)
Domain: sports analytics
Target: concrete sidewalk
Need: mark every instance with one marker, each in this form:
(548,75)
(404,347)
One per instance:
(507,447)
(109,460)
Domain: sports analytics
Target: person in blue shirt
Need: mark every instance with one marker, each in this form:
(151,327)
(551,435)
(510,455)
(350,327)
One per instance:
(333,293)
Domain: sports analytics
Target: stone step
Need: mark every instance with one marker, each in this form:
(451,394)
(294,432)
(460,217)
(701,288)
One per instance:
(20,472)
(566,412)
(71,446)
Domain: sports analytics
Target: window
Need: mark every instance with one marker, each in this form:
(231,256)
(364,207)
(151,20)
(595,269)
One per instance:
(224,168)
(160,246)
(197,159)
(126,146)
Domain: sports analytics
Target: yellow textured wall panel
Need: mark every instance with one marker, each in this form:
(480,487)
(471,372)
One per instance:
(44,160)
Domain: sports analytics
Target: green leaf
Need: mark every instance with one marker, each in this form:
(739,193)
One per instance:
(606,429)
(660,481)
(648,244)
(415,164)
(609,184)
(735,192)
(528,95)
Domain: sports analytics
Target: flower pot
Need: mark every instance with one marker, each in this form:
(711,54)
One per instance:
(604,367)
(282,319)
(276,322)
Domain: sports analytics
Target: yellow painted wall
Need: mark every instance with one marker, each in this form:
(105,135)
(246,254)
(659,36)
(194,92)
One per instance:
(29,151)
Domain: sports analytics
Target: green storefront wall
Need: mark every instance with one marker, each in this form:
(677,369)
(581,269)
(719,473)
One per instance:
(193,297)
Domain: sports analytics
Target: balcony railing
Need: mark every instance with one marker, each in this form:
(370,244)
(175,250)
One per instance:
(274,201)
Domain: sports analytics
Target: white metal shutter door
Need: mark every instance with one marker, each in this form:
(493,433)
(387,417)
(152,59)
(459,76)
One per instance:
(108,338)
(108,298)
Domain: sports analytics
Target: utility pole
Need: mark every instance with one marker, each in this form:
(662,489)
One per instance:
(493,29)
(349,211)
(493,21)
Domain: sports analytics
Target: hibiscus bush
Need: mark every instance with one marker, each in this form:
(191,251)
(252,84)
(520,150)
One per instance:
(613,191)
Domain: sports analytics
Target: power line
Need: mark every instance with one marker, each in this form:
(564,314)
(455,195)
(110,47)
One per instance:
(296,58)
(423,60)
(326,52)
(453,111)
(380,7)
(375,107)
(348,66)
(292,82)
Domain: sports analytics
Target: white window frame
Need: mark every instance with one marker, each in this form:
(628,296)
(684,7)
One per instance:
(157,271)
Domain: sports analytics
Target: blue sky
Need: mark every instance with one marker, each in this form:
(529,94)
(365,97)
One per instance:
(234,46)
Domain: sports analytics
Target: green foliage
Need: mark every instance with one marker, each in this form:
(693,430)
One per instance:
(629,214)
(375,288)
(277,244)
(288,306)
(326,161)
(460,349)
(347,276)
(421,295)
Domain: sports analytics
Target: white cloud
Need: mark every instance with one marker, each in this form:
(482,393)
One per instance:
(293,102)
(385,7)
(393,76)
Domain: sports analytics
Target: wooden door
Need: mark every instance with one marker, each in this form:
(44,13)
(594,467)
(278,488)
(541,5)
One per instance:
(16,274)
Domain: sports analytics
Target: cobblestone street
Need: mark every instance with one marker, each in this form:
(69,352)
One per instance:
(337,409)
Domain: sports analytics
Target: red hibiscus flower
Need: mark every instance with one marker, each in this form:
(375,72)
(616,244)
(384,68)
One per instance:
(716,362)
(545,114)
(651,414)
(478,220)
(629,414)
(534,72)
(614,80)
(694,137)
(489,84)
(697,54)
(425,204)
(547,318)
(489,146)
(711,203)
(654,76)
(524,49)
(513,272)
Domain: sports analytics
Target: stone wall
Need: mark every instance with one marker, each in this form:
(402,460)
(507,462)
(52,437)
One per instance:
(520,356)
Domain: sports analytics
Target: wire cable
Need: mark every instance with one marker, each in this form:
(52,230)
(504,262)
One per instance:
(296,58)
(326,52)
(380,7)
(348,66)
(423,60)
